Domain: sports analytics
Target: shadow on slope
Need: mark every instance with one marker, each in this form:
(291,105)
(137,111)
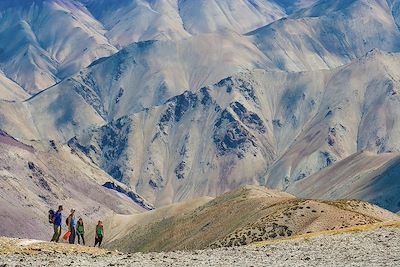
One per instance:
(364,175)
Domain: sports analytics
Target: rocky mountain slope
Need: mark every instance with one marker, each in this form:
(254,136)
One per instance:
(252,128)
(228,221)
(52,39)
(46,41)
(146,74)
(43,42)
(173,19)
(362,176)
(10,91)
(329,34)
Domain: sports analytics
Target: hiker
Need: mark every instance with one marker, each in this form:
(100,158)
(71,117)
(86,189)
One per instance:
(80,231)
(99,233)
(56,219)
(71,224)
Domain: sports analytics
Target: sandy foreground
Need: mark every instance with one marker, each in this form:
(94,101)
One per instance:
(378,246)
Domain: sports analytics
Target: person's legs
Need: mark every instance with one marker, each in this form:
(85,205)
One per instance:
(100,240)
(58,233)
(72,236)
(96,241)
(53,239)
(80,236)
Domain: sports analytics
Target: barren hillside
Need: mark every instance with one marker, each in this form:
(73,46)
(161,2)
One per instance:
(236,218)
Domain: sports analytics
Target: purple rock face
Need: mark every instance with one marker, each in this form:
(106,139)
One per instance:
(5,138)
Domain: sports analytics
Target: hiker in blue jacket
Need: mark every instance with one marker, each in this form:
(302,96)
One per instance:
(57,220)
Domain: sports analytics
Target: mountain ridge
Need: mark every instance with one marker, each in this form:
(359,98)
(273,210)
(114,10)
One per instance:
(215,223)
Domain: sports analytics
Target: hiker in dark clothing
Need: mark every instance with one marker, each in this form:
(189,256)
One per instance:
(57,220)
(80,231)
(71,223)
(99,233)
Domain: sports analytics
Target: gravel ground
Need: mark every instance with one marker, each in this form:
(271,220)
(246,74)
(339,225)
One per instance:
(380,247)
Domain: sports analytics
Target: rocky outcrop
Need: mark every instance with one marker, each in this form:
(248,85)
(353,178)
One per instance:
(132,195)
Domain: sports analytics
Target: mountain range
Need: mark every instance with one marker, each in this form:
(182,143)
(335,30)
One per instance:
(162,101)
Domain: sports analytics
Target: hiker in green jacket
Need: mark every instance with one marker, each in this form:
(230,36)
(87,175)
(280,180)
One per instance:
(80,229)
(99,233)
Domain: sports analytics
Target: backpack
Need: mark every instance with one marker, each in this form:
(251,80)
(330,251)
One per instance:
(51,216)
